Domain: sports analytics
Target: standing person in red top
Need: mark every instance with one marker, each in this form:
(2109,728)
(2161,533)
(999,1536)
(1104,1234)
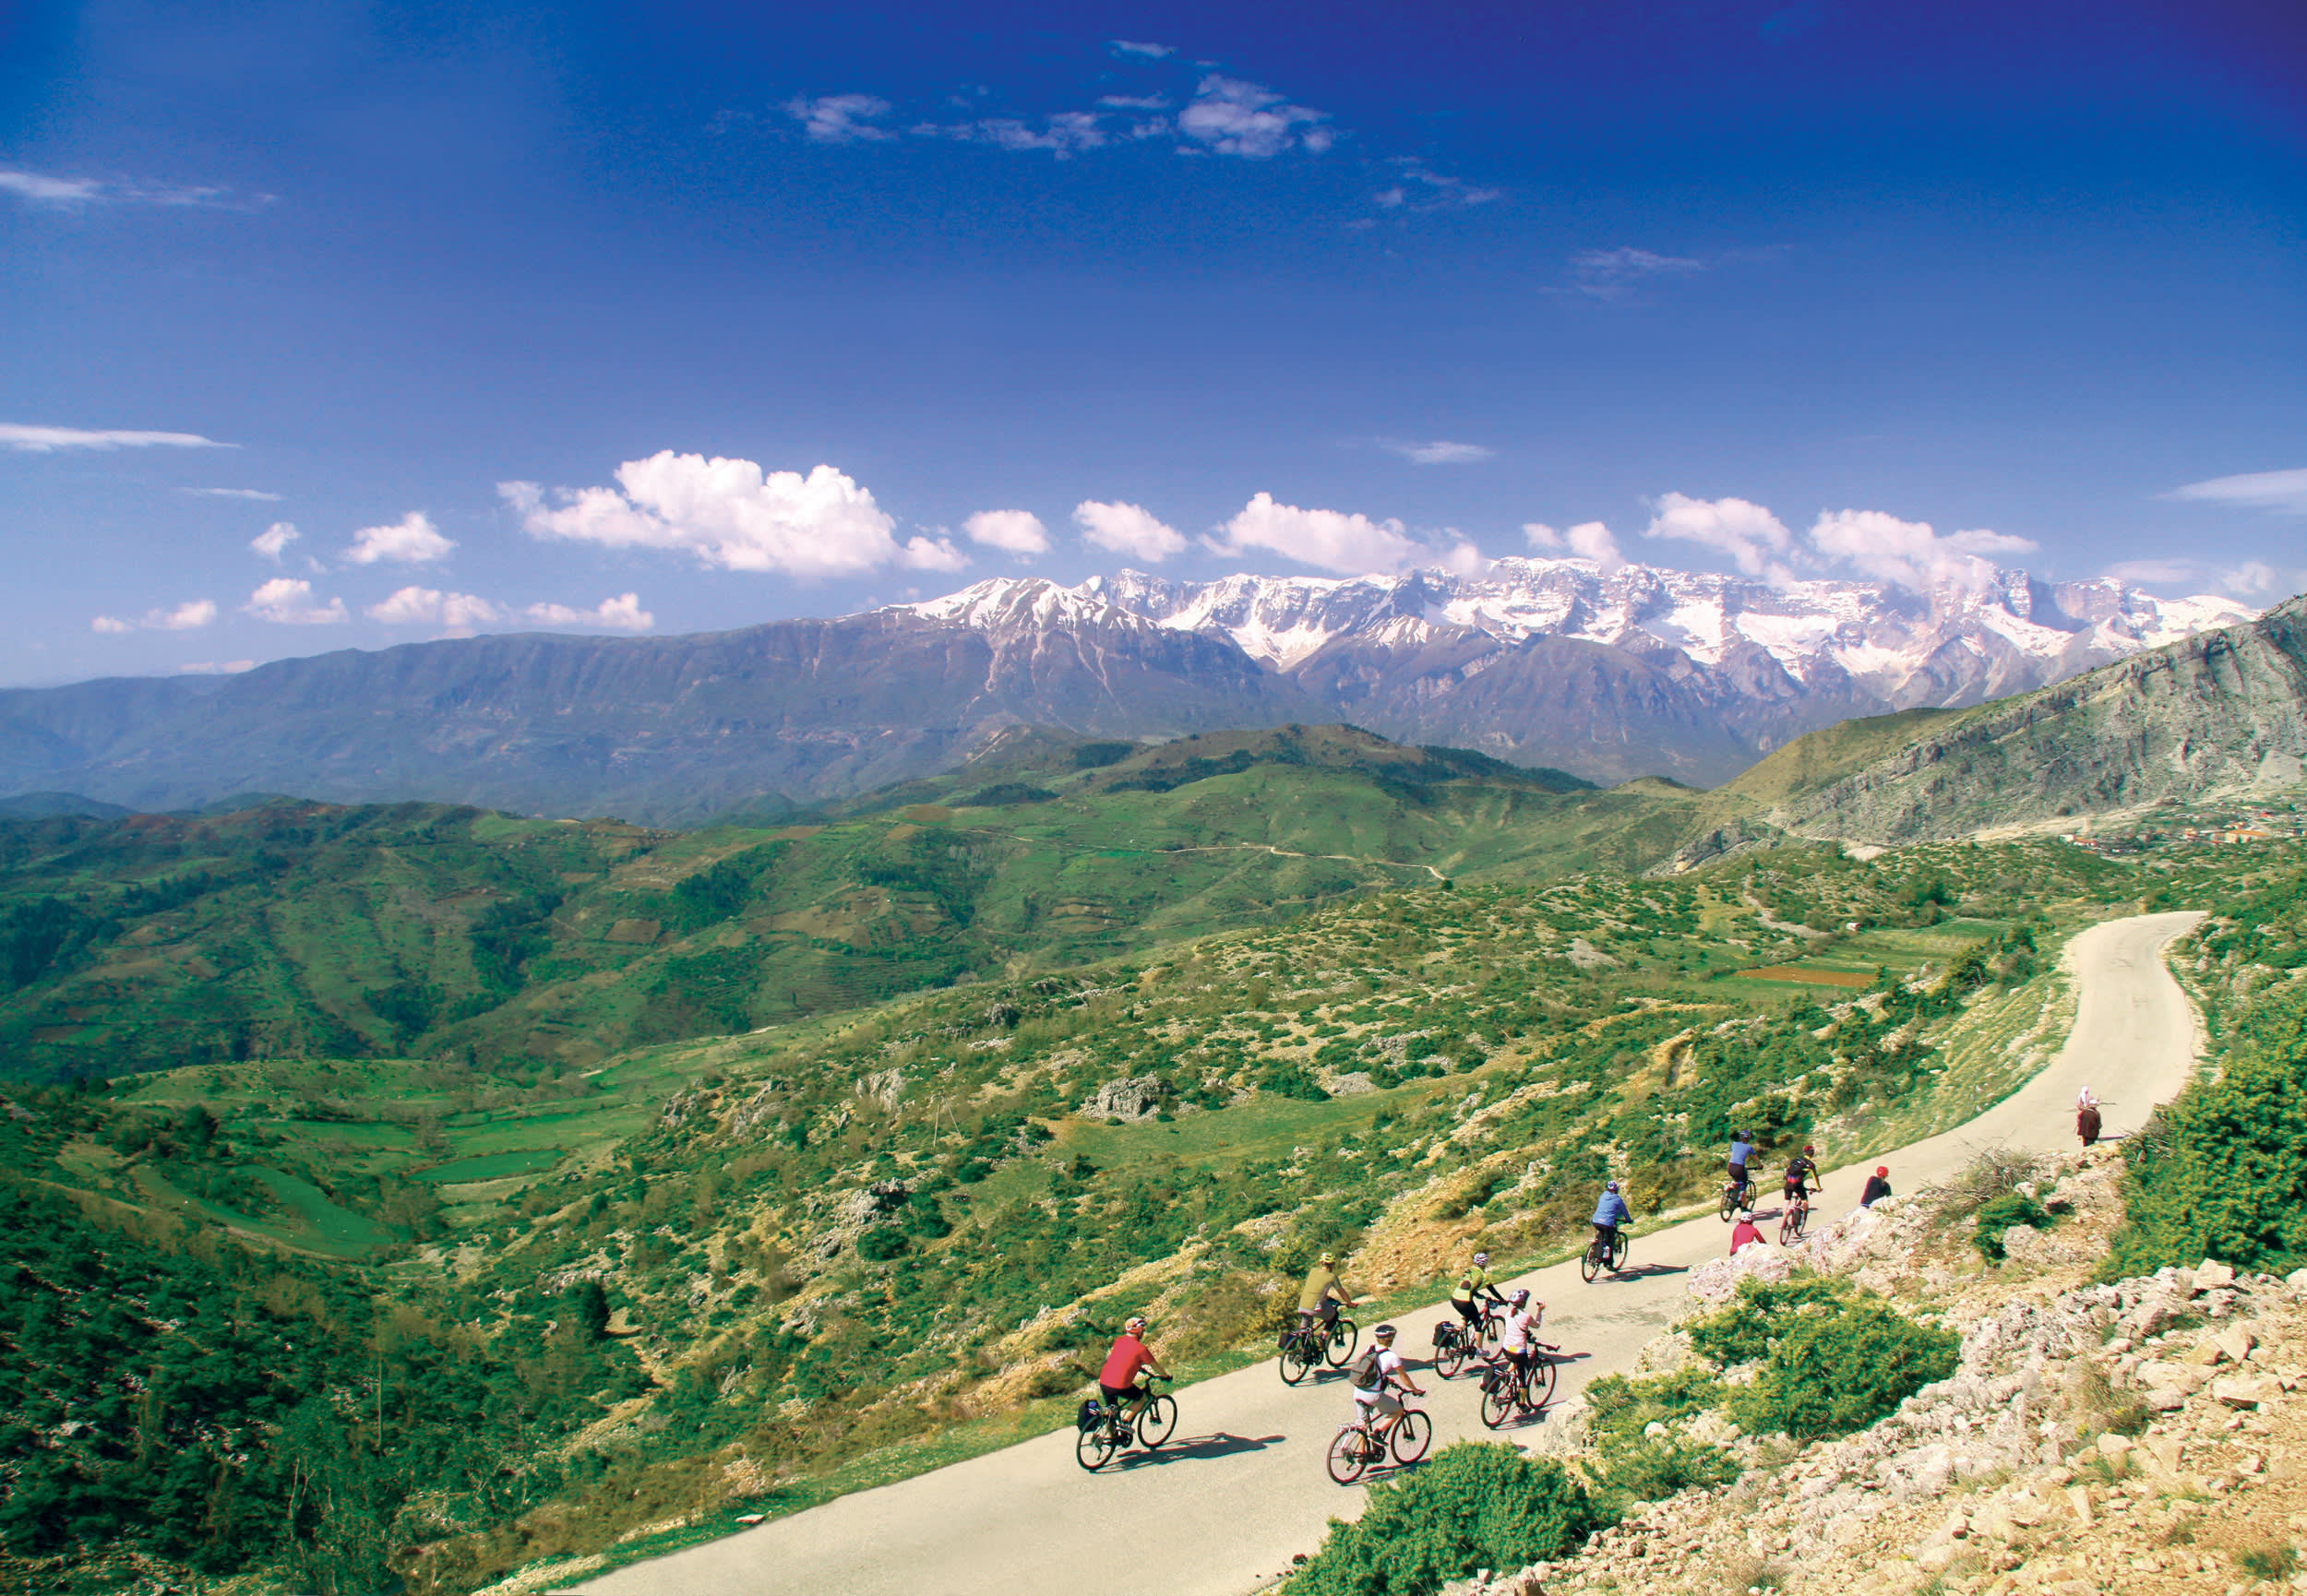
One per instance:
(1119,1381)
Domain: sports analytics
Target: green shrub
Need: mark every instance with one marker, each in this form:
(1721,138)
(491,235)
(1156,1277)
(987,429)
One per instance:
(1833,1372)
(1745,1330)
(1476,1504)
(2225,1176)
(1999,1215)
(882,1244)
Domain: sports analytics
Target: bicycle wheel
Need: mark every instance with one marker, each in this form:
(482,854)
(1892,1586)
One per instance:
(1541,1383)
(1786,1230)
(1618,1253)
(1491,1331)
(1590,1264)
(1298,1361)
(1157,1421)
(1349,1455)
(1729,1202)
(1449,1357)
(1345,1336)
(1497,1397)
(1413,1433)
(1801,1219)
(1094,1449)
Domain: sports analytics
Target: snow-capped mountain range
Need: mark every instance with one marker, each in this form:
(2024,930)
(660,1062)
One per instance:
(1607,672)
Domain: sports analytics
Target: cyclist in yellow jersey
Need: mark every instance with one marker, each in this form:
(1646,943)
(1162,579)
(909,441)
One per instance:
(1473,1287)
(1324,1293)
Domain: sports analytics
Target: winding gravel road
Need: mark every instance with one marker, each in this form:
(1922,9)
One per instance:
(1220,1510)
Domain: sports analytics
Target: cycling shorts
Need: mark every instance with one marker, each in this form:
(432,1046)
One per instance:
(1115,1395)
(1377,1403)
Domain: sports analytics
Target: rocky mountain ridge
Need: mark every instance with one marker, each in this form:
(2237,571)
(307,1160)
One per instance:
(1608,674)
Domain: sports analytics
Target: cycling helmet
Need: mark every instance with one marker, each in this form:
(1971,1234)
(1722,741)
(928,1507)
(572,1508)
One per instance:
(1808,1151)
(1382,1333)
(1518,1297)
(1329,1257)
(1137,1323)
(1883,1170)
(1609,1185)
(1481,1259)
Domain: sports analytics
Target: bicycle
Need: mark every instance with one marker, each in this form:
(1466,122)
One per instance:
(1506,1389)
(1599,1257)
(1307,1347)
(1790,1222)
(1736,1195)
(1357,1444)
(1103,1430)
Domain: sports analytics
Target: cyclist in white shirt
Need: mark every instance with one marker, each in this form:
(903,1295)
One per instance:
(1517,1333)
(1377,1374)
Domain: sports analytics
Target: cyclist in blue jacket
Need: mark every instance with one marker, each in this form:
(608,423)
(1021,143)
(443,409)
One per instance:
(1610,1214)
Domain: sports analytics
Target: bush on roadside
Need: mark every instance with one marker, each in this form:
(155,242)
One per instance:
(2225,1176)
(1476,1504)
(1836,1371)
(2000,1214)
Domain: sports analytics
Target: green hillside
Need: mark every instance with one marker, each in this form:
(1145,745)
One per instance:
(430,931)
(859,1244)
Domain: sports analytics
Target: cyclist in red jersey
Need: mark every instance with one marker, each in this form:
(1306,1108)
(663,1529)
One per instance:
(1119,1382)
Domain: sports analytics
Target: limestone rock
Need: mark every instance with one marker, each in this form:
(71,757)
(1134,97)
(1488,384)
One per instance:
(1131,1097)
(2210,1276)
(2246,1390)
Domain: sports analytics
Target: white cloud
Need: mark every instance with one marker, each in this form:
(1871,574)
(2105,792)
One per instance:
(1062,134)
(257,494)
(188,616)
(1908,554)
(622,613)
(1587,541)
(1232,117)
(215,667)
(1134,101)
(1441,452)
(1016,532)
(1434,190)
(840,118)
(51,190)
(274,540)
(46,190)
(2264,490)
(47,440)
(289,602)
(1125,528)
(431,607)
(1753,538)
(411,541)
(1614,274)
(2162,573)
(1331,539)
(731,513)
(1143,51)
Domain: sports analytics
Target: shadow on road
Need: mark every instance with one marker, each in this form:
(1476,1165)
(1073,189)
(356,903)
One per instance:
(1643,1271)
(1196,1446)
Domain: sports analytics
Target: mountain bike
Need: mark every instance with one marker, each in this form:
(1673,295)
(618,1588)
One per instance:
(1307,1347)
(1103,1430)
(1790,1222)
(1600,1257)
(1507,1390)
(1736,1195)
(1359,1442)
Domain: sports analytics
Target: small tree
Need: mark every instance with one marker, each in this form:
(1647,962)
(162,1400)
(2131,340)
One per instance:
(589,1311)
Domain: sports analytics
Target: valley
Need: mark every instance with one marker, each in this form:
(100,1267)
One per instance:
(733,1169)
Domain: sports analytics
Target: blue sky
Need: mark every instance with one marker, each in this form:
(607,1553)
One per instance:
(687,317)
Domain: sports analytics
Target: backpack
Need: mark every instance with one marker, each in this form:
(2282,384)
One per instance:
(1365,1374)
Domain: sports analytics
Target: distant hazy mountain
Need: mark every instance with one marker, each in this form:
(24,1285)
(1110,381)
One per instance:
(2218,715)
(1541,663)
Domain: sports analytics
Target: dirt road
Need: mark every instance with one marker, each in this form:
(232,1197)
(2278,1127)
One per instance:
(1222,1508)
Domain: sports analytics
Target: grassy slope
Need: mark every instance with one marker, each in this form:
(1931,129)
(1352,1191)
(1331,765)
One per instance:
(296,929)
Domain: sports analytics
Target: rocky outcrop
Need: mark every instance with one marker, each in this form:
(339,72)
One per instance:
(1135,1097)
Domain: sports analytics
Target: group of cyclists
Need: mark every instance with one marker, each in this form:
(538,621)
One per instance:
(1381,1377)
